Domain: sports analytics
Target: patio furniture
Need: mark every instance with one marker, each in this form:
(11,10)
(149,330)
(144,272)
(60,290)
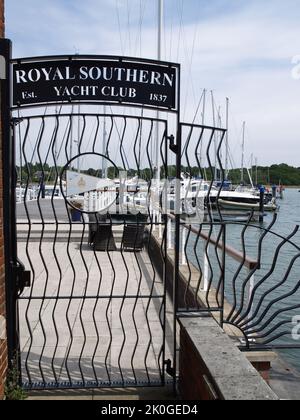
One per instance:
(133,237)
(101,234)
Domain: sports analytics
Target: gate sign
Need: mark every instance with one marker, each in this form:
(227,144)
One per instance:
(92,80)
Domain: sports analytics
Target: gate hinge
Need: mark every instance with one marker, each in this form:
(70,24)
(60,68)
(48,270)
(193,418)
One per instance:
(16,121)
(173,146)
(169,369)
(22,276)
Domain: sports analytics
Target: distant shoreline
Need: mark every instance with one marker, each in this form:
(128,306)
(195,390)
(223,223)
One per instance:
(292,187)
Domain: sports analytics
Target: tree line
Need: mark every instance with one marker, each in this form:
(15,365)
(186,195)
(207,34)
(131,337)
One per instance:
(276,174)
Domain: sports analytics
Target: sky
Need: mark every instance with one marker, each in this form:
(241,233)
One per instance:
(238,49)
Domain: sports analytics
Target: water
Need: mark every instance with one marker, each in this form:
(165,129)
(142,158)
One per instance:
(277,297)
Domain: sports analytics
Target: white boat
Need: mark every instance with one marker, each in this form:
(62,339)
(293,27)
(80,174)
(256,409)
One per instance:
(233,205)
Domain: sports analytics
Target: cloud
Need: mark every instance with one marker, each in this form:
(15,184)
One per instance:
(241,50)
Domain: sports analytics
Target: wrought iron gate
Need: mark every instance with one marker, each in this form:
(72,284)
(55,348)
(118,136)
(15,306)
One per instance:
(94,314)
(85,304)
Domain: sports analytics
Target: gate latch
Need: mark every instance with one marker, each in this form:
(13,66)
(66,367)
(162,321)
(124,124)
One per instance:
(173,146)
(169,369)
(23,276)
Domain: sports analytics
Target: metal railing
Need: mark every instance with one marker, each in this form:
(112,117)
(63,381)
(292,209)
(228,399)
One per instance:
(258,299)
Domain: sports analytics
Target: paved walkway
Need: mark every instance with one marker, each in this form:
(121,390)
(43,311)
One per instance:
(92,317)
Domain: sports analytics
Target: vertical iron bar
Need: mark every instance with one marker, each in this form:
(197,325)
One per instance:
(177,249)
(165,275)
(223,284)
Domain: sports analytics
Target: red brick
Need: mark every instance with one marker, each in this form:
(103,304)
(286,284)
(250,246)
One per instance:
(3,349)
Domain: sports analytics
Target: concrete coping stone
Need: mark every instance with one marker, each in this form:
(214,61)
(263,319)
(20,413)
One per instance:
(231,373)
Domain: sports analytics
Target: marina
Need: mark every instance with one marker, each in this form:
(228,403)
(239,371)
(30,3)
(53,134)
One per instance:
(149,233)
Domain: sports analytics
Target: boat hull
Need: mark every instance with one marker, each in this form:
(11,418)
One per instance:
(231,205)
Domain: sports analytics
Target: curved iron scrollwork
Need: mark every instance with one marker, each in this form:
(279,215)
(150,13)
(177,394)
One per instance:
(263,308)
(244,273)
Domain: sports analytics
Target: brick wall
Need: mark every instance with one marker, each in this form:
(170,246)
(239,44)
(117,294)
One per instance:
(3,355)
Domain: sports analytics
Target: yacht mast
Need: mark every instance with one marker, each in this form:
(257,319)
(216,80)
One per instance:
(72,134)
(203,123)
(104,144)
(227,141)
(215,138)
(159,57)
(243,153)
(160,28)
(256,171)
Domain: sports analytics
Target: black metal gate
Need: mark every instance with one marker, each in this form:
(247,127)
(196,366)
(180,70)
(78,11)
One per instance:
(86,303)
(94,314)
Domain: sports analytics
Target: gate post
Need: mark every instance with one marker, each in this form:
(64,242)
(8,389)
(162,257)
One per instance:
(177,234)
(3,343)
(9,205)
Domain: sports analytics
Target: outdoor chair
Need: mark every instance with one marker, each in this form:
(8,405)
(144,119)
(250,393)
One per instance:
(133,237)
(101,233)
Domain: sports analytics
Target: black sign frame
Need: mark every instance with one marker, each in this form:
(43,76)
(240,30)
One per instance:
(53,80)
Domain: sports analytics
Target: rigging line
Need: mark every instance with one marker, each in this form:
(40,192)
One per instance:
(92,130)
(120,137)
(119,26)
(57,155)
(180,26)
(200,102)
(140,28)
(22,122)
(35,147)
(90,137)
(128,26)
(231,158)
(198,107)
(138,43)
(171,38)
(63,139)
(190,61)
